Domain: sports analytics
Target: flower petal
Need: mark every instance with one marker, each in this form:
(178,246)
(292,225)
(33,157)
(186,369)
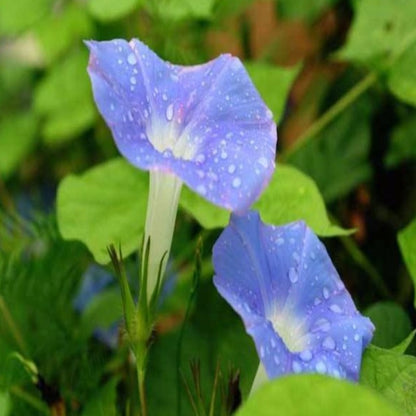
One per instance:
(283,284)
(205,123)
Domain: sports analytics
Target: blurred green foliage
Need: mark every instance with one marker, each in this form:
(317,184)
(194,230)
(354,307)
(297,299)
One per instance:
(349,143)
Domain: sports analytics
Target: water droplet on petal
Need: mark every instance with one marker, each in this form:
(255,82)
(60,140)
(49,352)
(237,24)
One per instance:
(320,367)
(200,158)
(329,343)
(356,337)
(201,189)
(335,308)
(293,275)
(297,368)
(169,112)
(164,97)
(236,182)
(224,155)
(231,169)
(325,292)
(264,162)
(306,355)
(317,301)
(276,359)
(131,59)
(133,80)
(280,241)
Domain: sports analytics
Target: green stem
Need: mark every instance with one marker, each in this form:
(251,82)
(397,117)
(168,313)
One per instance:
(142,389)
(7,316)
(331,114)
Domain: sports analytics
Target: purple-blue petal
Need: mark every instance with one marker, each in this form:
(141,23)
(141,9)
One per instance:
(206,123)
(284,276)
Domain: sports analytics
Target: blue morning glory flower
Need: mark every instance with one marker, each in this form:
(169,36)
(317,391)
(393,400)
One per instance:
(282,283)
(204,125)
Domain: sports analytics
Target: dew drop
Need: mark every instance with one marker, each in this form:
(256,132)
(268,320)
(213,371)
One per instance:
(297,368)
(335,308)
(317,301)
(356,337)
(236,182)
(200,158)
(133,80)
(224,155)
(325,292)
(329,343)
(320,367)
(169,112)
(131,59)
(264,162)
(201,189)
(293,275)
(231,169)
(280,241)
(164,97)
(276,359)
(130,115)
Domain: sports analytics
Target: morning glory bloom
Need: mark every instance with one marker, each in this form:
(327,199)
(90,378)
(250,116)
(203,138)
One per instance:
(204,125)
(282,283)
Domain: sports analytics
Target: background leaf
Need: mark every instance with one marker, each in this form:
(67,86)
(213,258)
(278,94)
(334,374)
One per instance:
(391,321)
(64,99)
(393,375)
(315,395)
(273,84)
(105,205)
(18,137)
(107,10)
(407,243)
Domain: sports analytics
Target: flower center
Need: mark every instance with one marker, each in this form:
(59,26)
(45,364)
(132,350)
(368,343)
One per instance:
(290,329)
(165,136)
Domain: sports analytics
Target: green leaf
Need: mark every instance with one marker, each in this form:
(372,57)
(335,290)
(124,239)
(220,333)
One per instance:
(183,9)
(18,137)
(407,243)
(273,83)
(62,28)
(103,403)
(107,10)
(402,76)
(105,205)
(314,395)
(404,344)
(292,195)
(380,29)
(337,158)
(18,15)
(303,9)
(208,215)
(5,405)
(64,99)
(403,143)
(391,322)
(393,375)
